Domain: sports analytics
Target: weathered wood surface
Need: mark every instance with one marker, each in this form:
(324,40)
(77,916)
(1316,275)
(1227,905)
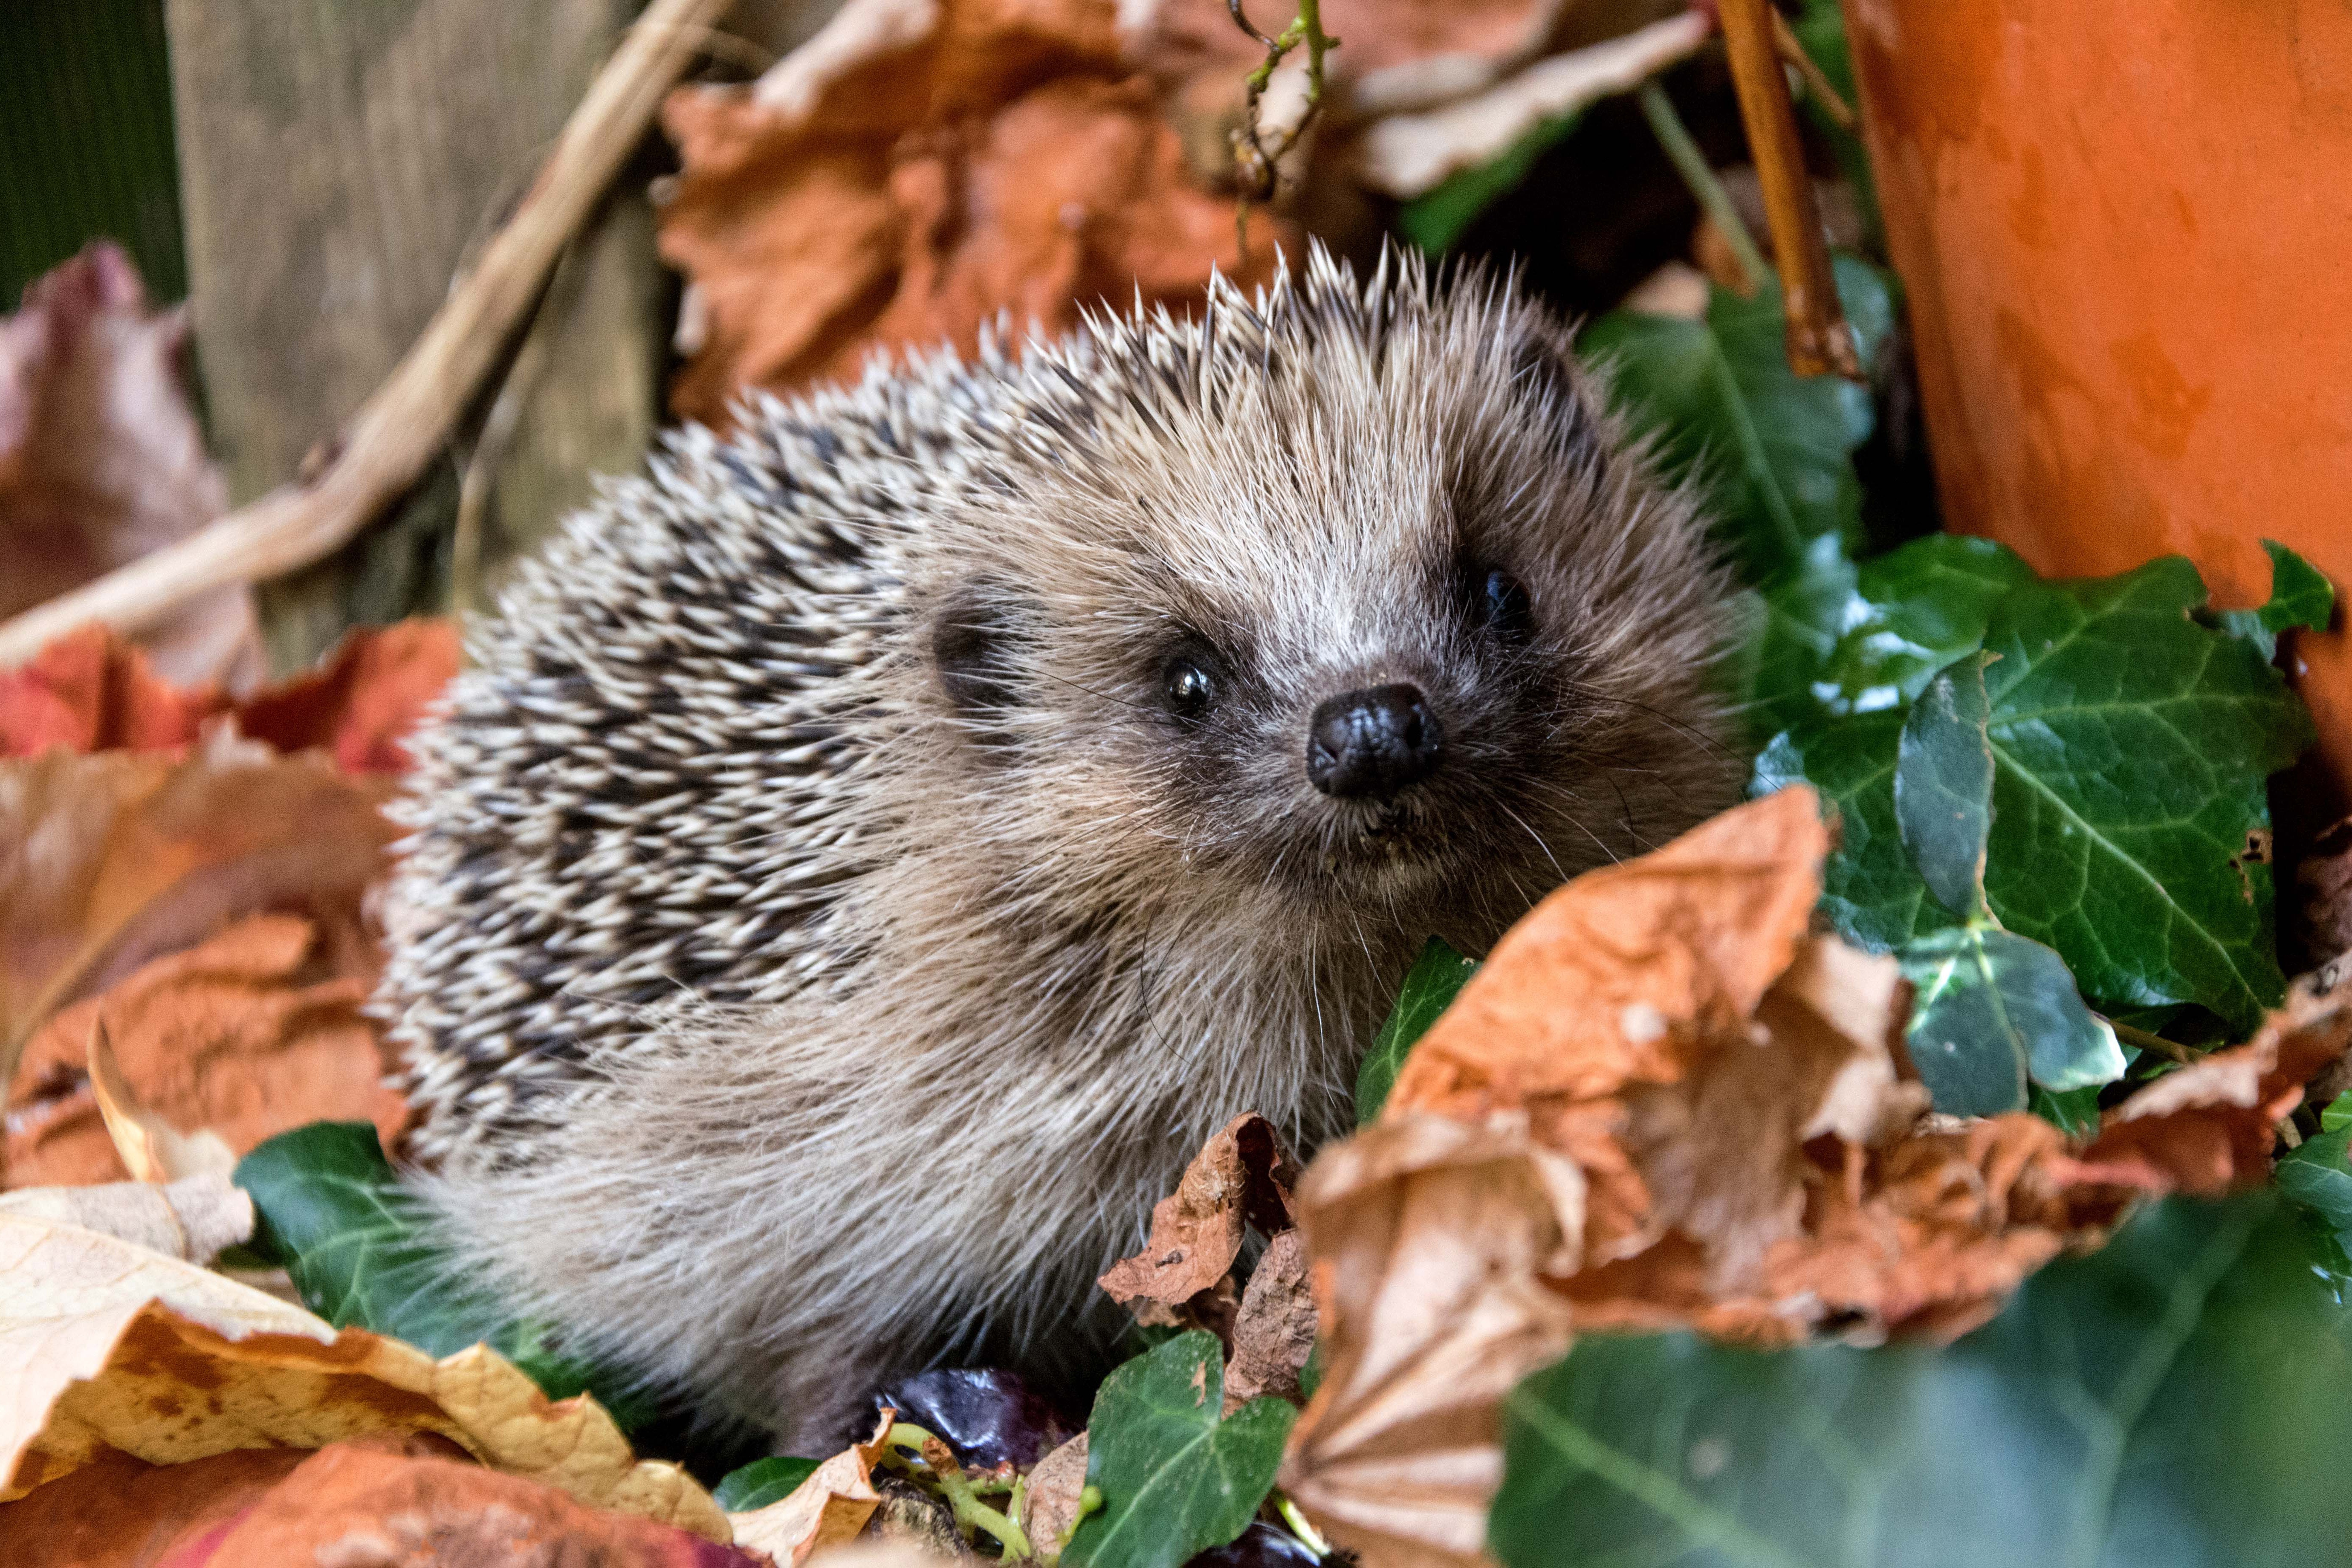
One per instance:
(338,162)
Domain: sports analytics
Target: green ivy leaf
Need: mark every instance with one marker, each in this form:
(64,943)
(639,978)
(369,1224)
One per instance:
(1805,610)
(1992,1012)
(1918,608)
(2318,1176)
(1774,450)
(2130,747)
(2300,596)
(2181,1398)
(1942,785)
(332,1213)
(761,1483)
(1430,986)
(2073,1111)
(1175,1479)
(1870,891)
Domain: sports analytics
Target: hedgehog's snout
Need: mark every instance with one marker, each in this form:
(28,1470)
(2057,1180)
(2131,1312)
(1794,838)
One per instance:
(1374,742)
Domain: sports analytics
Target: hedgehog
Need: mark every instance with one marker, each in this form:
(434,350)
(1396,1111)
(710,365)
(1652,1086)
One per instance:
(870,852)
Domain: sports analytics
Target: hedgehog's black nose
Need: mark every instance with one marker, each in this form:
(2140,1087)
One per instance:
(1372,742)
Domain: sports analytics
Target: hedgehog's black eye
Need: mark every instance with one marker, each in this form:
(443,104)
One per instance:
(1499,603)
(1188,687)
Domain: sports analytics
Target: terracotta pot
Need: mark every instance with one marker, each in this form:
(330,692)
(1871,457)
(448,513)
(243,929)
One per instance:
(2125,231)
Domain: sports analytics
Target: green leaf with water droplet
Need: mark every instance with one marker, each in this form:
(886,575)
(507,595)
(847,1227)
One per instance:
(1430,986)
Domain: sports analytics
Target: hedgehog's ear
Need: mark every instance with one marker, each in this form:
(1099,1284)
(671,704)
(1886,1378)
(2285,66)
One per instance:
(975,640)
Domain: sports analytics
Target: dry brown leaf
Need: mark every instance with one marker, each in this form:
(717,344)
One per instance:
(101,460)
(190,1219)
(1274,1332)
(1408,154)
(106,1347)
(252,1033)
(1629,1081)
(108,862)
(1240,1177)
(1426,1235)
(2212,1125)
(915,169)
(828,1508)
(2322,885)
(1049,1509)
(149,1147)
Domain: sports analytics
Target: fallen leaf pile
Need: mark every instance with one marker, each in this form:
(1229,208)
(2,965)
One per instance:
(195,869)
(1663,1102)
(922,169)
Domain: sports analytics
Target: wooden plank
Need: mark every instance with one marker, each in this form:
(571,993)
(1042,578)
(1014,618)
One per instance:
(338,162)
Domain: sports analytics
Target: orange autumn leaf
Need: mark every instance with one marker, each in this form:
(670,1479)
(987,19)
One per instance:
(90,690)
(916,170)
(253,1033)
(107,861)
(416,1498)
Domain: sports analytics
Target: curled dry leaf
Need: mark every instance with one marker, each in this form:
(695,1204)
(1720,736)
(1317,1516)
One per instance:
(190,1219)
(91,691)
(828,1509)
(149,1147)
(1049,1509)
(2212,1125)
(917,168)
(108,1348)
(100,457)
(252,1033)
(1240,1177)
(1274,1332)
(1407,154)
(1731,1094)
(1427,1235)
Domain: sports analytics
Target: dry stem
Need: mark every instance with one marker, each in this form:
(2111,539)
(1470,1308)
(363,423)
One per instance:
(1818,339)
(406,423)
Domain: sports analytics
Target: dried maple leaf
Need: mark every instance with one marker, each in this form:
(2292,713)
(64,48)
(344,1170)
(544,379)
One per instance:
(248,1034)
(828,1508)
(1630,1080)
(918,168)
(109,1348)
(2211,1126)
(1240,1177)
(100,457)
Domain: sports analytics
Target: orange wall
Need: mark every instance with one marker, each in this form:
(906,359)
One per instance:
(2125,231)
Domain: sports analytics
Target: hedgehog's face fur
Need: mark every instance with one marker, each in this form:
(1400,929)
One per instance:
(1374,620)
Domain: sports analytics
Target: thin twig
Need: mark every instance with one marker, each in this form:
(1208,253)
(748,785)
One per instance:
(407,422)
(2142,1039)
(1817,82)
(1820,342)
(1256,168)
(1674,137)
